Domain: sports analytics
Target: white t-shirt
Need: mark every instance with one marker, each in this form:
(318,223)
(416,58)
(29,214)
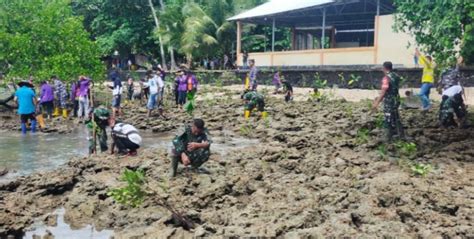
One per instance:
(127,130)
(452,91)
(153,84)
(158,79)
(117,90)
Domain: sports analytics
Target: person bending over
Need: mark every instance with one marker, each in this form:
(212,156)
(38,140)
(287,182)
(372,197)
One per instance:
(254,100)
(125,138)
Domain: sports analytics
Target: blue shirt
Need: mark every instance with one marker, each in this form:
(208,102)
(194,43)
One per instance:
(25,96)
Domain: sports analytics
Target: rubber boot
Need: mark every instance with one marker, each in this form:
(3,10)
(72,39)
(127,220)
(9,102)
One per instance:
(65,113)
(174,166)
(33,126)
(56,112)
(23,128)
(247,114)
(40,120)
(264,115)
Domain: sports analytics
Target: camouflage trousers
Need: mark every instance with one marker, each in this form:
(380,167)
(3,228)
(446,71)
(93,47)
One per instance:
(197,157)
(102,136)
(392,124)
(450,106)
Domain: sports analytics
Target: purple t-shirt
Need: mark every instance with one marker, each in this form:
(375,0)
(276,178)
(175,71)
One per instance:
(84,87)
(47,94)
(276,79)
(182,83)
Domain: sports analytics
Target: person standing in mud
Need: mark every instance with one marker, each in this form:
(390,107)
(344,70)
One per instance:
(277,82)
(391,101)
(83,97)
(60,96)
(47,99)
(181,81)
(96,126)
(452,98)
(288,91)
(25,98)
(253,100)
(427,80)
(253,75)
(74,97)
(191,147)
(117,91)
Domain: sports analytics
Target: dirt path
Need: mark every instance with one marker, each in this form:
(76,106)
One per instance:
(313,174)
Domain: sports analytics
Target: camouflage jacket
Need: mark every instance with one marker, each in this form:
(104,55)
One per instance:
(392,97)
(182,140)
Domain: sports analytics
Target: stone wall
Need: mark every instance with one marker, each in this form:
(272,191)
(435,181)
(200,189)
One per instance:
(362,77)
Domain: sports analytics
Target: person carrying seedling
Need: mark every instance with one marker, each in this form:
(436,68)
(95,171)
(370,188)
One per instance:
(288,91)
(452,98)
(98,121)
(191,147)
(391,101)
(254,100)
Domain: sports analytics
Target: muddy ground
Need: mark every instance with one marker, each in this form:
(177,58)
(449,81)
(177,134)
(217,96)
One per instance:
(312,175)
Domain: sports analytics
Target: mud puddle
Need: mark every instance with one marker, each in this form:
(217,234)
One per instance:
(60,229)
(24,155)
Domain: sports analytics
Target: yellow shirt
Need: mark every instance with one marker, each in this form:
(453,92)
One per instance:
(428,70)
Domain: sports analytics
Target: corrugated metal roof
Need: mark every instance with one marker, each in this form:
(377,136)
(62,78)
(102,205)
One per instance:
(278,6)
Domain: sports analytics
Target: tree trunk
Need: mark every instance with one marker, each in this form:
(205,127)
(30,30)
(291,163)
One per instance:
(173,61)
(170,47)
(157,22)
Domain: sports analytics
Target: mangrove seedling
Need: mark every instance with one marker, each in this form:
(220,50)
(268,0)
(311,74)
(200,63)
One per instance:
(246,130)
(353,79)
(379,121)
(362,136)
(191,103)
(382,150)
(407,149)
(318,82)
(421,169)
(133,194)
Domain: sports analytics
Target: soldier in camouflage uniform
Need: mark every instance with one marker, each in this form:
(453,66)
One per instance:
(253,100)
(191,148)
(452,100)
(391,102)
(96,127)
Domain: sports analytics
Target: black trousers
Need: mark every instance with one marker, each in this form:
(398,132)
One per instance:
(124,144)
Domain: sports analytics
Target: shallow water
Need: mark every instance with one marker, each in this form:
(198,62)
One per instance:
(63,230)
(23,155)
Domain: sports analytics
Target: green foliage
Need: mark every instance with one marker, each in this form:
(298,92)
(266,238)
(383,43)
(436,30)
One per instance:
(362,136)
(43,38)
(439,26)
(382,150)
(318,82)
(133,194)
(190,103)
(353,79)
(342,78)
(379,121)
(408,149)
(246,130)
(421,169)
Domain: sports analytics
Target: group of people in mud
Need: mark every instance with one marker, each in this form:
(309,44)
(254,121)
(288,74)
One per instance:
(192,146)
(449,86)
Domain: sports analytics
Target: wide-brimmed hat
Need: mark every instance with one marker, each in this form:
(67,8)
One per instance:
(25,83)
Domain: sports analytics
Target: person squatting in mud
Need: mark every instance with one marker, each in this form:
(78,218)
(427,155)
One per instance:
(391,101)
(452,98)
(125,138)
(96,125)
(191,147)
(253,100)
